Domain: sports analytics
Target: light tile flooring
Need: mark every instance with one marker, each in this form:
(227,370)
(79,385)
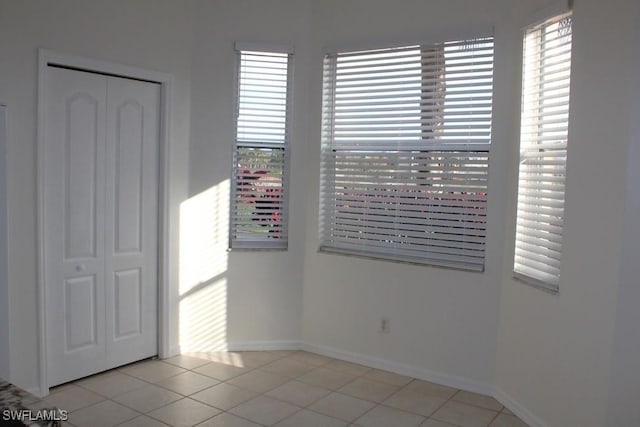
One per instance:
(280,388)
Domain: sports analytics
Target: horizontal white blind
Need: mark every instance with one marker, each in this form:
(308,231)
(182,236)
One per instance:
(543,151)
(406,136)
(259,208)
(262,97)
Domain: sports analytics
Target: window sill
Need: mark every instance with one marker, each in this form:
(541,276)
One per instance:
(399,260)
(538,284)
(257,247)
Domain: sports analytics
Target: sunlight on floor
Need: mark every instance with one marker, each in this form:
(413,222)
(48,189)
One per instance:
(221,357)
(204,235)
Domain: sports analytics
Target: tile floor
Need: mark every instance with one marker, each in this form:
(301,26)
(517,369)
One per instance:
(280,388)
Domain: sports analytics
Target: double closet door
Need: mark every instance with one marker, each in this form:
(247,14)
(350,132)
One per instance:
(101,139)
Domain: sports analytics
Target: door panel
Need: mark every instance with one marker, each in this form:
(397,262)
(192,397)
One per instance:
(129,140)
(75,118)
(131,216)
(81,321)
(127,302)
(101,205)
(81,151)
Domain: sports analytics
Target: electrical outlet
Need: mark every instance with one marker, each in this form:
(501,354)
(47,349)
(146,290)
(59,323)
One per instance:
(385,325)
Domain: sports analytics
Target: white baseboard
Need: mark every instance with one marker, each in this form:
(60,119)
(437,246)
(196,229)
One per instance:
(35,391)
(373,362)
(433,376)
(402,369)
(174,351)
(399,368)
(264,345)
(523,413)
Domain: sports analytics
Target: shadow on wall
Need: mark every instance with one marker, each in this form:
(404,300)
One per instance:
(204,237)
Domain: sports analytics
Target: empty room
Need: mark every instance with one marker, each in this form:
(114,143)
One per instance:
(367,213)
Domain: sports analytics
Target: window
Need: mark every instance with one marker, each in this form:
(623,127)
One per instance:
(543,151)
(405,150)
(260,157)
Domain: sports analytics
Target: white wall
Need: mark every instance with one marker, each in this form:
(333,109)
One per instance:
(549,356)
(263,289)
(554,351)
(624,382)
(146,33)
(562,360)
(443,323)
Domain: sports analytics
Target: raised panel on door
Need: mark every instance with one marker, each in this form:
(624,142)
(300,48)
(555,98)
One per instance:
(81,180)
(128,304)
(131,218)
(81,318)
(74,175)
(129,144)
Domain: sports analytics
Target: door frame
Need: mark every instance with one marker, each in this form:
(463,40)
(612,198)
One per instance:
(5,370)
(49,57)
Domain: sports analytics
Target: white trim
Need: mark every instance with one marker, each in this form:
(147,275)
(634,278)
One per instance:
(173,351)
(264,345)
(402,369)
(539,284)
(520,411)
(5,354)
(251,346)
(49,57)
(41,293)
(255,242)
(551,10)
(264,47)
(34,391)
(399,368)
(164,205)
(401,260)
(479,31)
(433,376)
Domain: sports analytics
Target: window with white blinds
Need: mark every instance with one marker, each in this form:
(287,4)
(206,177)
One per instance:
(405,153)
(260,158)
(543,151)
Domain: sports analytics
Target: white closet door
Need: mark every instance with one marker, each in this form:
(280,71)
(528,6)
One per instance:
(131,220)
(100,195)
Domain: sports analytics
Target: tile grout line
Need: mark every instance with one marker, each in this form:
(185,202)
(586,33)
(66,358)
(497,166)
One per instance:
(441,406)
(307,407)
(327,364)
(494,418)
(356,377)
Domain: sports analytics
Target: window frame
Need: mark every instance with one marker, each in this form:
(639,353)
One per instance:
(540,252)
(328,169)
(282,242)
